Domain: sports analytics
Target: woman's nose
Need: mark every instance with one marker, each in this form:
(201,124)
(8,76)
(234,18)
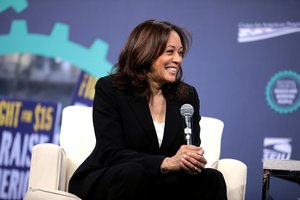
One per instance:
(177,58)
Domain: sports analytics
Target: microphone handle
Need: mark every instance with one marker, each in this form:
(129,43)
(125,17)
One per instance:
(188,130)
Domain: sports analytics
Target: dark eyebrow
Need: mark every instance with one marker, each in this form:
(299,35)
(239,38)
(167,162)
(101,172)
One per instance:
(175,47)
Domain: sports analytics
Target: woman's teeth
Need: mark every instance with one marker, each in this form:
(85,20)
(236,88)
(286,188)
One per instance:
(171,69)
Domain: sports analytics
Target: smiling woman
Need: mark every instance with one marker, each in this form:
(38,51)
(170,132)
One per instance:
(140,149)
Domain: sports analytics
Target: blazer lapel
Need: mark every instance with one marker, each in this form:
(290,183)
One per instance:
(140,108)
(172,125)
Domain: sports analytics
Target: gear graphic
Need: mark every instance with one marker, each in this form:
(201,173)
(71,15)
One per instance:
(17,5)
(56,45)
(269,92)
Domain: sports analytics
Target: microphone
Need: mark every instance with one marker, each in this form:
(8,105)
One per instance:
(187,112)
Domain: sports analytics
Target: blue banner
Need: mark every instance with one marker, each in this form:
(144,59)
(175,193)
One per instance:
(84,90)
(23,124)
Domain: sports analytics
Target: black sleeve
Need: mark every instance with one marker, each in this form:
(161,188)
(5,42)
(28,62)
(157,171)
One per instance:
(196,118)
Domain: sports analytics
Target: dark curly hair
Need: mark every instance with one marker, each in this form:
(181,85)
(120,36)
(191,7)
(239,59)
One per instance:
(144,45)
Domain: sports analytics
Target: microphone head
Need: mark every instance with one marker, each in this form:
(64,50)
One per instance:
(187,110)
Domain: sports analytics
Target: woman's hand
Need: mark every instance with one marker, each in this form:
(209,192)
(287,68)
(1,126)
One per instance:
(189,158)
(193,161)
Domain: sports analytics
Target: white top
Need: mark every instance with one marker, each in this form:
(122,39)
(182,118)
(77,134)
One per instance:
(159,128)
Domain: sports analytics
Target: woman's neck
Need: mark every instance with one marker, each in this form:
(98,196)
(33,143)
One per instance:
(155,88)
(157,105)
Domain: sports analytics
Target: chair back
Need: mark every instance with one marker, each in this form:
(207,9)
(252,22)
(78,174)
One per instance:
(77,136)
(211,136)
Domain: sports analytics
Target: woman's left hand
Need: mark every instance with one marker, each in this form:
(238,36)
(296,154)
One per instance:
(193,161)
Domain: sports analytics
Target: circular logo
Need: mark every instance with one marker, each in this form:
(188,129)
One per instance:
(283,92)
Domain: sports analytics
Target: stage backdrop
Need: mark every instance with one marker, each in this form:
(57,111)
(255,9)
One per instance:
(244,62)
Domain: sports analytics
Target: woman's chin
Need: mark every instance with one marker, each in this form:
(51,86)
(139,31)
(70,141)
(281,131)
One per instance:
(170,80)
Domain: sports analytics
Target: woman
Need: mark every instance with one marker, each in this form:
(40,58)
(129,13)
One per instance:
(140,150)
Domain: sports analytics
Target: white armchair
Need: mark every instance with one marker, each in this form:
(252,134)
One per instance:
(52,165)
(234,171)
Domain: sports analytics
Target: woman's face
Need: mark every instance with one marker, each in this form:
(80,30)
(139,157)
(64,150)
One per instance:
(165,67)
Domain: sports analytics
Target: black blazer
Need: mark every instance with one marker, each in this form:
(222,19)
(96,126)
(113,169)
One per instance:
(125,132)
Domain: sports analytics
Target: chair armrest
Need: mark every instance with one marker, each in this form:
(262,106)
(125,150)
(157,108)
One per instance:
(235,175)
(40,194)
(47,167)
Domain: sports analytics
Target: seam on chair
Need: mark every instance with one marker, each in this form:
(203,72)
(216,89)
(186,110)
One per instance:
(60,183)
(62,193)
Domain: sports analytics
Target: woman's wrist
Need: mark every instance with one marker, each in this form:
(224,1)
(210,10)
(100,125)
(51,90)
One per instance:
(164,166)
